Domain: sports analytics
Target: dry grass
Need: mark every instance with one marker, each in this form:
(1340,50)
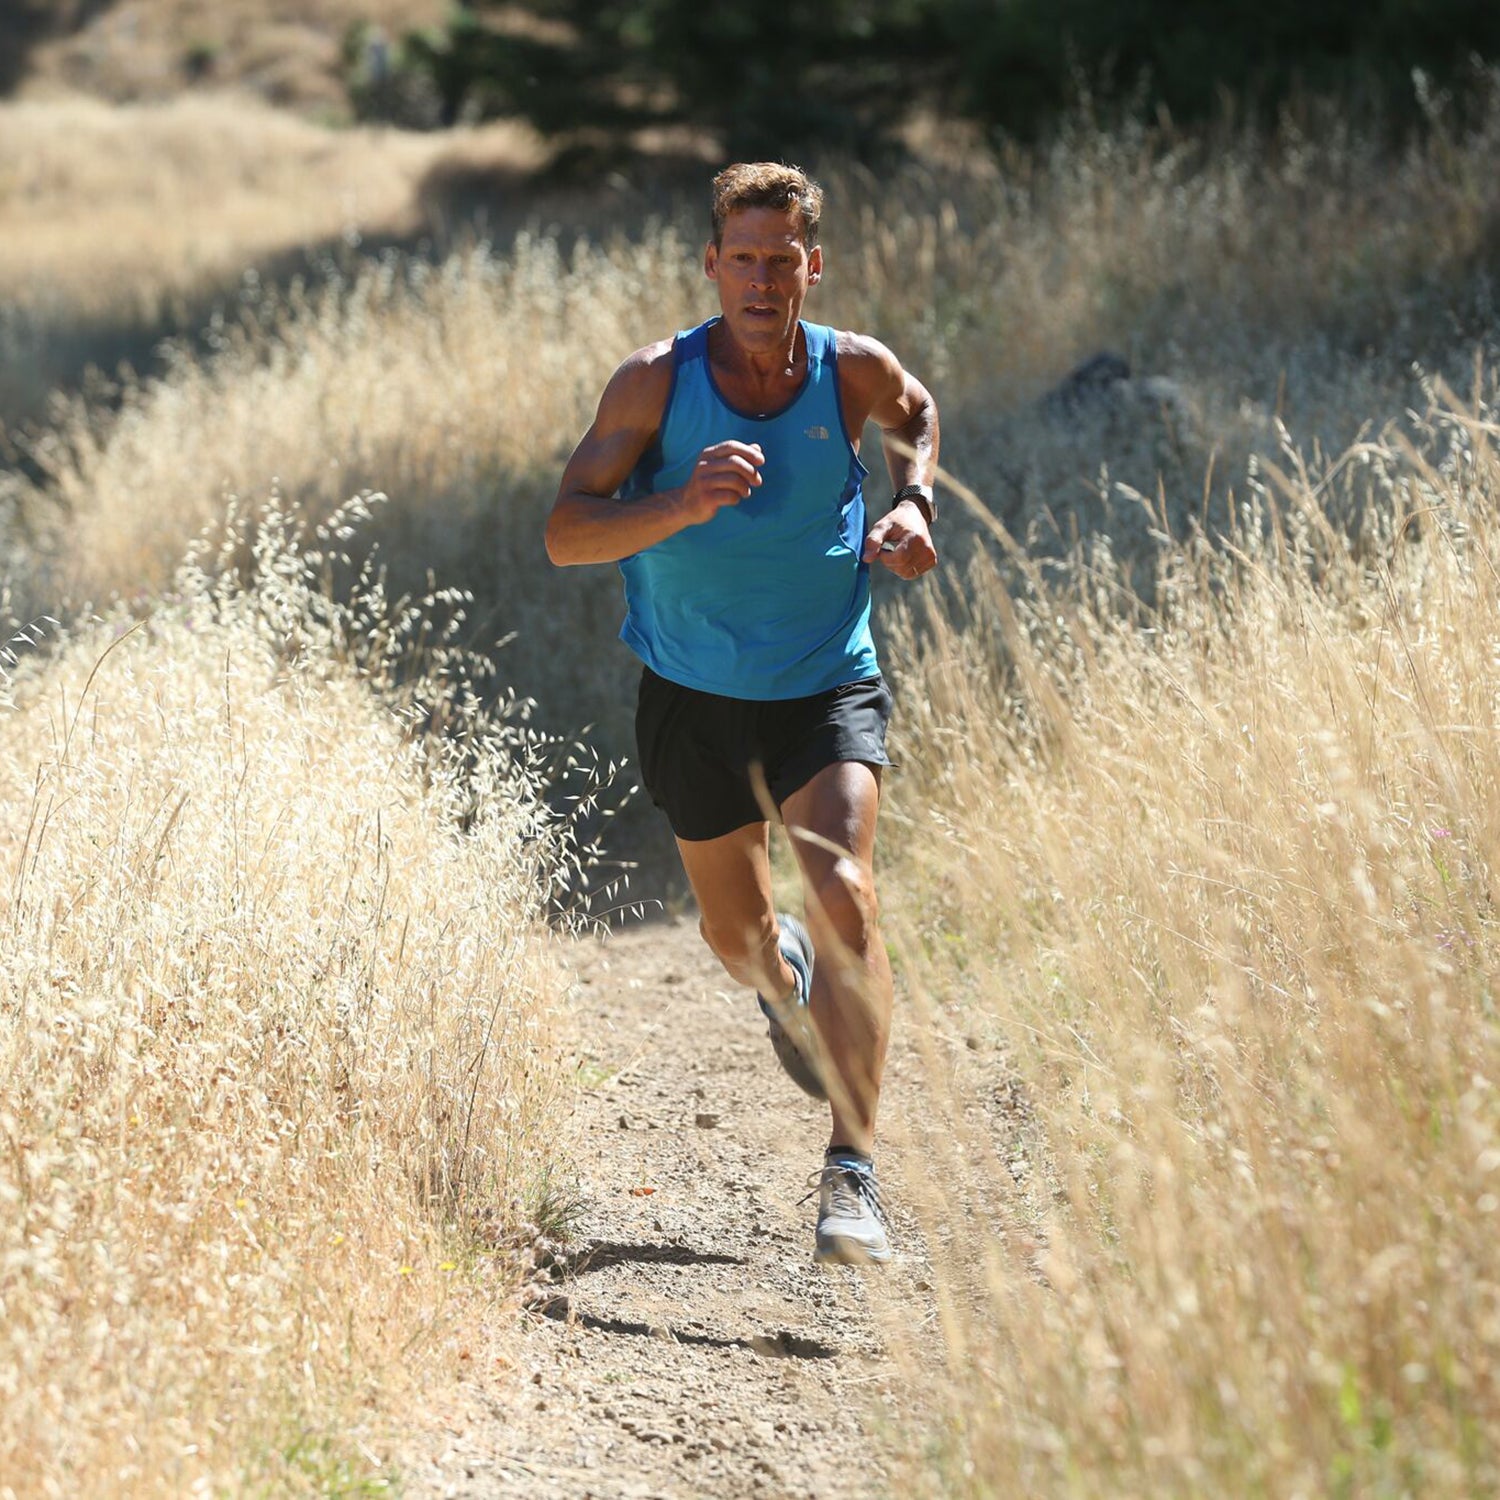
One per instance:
(288,53)
(1218,878)
(1248,274)
(274,1028)
(98,203)
(120,226)
(451,383)
(1296,279)
(461,386)
(1204,830)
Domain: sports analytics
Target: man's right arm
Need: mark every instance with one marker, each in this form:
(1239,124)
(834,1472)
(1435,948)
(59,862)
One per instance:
(588,523)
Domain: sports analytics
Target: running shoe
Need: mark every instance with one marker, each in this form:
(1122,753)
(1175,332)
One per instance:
(790,1027)
(851,1218)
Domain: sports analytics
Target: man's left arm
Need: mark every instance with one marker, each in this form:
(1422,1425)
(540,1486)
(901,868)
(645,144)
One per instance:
(903,408)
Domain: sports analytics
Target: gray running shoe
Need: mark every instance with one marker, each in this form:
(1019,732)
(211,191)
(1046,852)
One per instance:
(851,1217)
(793,1039)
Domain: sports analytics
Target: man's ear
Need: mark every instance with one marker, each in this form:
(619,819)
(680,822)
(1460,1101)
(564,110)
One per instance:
(711,261)
(815,265)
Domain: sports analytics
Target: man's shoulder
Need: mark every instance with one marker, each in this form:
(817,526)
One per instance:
(642,381)
(650,362)
(865,364)
(862,348)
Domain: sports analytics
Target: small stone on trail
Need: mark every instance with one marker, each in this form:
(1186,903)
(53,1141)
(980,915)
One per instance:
(546,1301)
(706,1121)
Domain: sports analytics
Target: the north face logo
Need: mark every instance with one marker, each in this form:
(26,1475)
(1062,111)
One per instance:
(821,433)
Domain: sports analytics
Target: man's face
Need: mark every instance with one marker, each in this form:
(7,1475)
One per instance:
(763,271)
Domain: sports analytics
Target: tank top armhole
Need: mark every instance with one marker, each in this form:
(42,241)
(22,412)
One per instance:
(679,354)
(650,462)
(689,343)
(648,465)
(831,359)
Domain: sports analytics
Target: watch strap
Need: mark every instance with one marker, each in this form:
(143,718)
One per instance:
(921,494)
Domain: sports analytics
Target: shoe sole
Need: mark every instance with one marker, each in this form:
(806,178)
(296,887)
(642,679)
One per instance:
(794,1059)
(849,1253)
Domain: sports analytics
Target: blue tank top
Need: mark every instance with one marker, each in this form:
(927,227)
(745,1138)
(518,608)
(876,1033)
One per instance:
(769,599)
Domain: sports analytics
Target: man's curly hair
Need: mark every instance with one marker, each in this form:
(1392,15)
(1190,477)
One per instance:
(767,184)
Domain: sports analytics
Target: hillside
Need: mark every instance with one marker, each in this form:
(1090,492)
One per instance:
(140,51)
(318,785)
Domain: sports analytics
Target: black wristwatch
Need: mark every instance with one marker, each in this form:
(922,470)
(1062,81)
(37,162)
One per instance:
(922,494)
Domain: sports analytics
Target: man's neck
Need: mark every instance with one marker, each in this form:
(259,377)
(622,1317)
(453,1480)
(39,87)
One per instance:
(765,377)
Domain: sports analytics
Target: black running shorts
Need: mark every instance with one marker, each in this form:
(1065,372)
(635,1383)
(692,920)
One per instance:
(696,748)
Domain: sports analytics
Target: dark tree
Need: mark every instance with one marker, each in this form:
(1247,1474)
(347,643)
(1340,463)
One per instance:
(24,23)
(842,74)
(1020,62)
(764,79)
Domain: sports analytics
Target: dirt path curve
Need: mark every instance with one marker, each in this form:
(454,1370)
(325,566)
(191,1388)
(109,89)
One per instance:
(689,1347)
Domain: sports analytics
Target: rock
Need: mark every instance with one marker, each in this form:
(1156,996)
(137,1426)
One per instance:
(1088,384)
(706,1121)
(1104,385)
(547,1303)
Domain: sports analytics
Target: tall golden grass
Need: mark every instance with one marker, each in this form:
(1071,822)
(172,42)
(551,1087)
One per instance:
(455,384)
(1292,279)
(276,1005)
(1195,815)
(121,226)
(1218,879)
(100,204)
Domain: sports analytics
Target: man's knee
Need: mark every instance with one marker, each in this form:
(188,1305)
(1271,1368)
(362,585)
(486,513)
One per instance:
(737,944)
(845,893)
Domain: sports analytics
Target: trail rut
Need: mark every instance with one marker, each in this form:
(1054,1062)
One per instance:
(686,1345)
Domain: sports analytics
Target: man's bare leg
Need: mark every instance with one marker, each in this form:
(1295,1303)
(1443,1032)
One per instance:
(851,997)
(832,822)
(852,993)
(731,879)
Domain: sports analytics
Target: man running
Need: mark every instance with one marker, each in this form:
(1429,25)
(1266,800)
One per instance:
(722,474)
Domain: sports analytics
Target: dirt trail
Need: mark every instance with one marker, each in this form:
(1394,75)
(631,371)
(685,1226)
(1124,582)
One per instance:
(689,1347)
